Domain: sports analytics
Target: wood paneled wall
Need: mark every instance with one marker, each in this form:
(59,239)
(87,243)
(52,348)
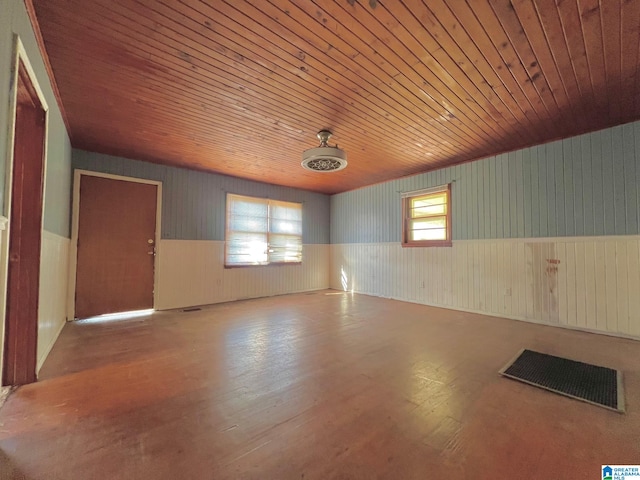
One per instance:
(589,283)
(581,186)
(547,234)
(57,200)
(54,274)
(191,272)
(193,203)
(191,253)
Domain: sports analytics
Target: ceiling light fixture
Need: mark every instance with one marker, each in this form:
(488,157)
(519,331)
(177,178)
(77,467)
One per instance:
(324,158)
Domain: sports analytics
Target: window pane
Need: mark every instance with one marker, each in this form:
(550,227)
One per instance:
(428,223)
(285,248)
(427,205)
(286,211)
(428,210)
(429,199)
(247,223)
(286,226)
(428,229)
(430,234)
(254,207)
(246,248)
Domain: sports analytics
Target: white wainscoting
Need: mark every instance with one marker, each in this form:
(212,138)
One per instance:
(589,283)
(191,272)
(54,268)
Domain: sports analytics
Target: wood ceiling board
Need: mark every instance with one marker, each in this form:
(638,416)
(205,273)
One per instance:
(241,88)
(71,26)
(452,58)
(611,23)
(454,102)
(553,98)
(351,101)
(590,20)
(399,60)
(510,59)
(454,40)
(565,90)
(467,21)
(33,19)
(629,55)
(394,91)
(121,106)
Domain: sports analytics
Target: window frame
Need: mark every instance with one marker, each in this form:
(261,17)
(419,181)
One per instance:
(268,232)
(406,199)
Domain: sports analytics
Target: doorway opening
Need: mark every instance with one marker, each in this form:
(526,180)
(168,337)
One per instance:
(24,202)
(115,230)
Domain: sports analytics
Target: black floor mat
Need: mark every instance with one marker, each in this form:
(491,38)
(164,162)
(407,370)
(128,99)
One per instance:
(597,385)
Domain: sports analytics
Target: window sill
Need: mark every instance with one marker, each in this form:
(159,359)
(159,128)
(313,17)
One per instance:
(439,243)
(274,264)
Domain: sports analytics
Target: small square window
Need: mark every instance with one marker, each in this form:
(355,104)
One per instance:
(426,218)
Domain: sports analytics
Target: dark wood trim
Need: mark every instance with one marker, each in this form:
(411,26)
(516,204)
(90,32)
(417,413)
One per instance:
(31,11)
(434,243)
(25,235)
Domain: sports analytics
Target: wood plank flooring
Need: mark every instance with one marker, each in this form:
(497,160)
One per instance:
(327,385)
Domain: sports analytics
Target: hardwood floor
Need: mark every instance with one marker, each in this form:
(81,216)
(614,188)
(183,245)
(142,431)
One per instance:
(326,385)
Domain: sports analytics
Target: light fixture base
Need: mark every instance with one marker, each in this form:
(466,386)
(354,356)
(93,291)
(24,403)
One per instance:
(324,158)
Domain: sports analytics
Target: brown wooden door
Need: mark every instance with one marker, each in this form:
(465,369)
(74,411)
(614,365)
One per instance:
(116,244)
(25,235)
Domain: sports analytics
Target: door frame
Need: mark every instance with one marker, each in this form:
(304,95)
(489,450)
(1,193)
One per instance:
(19,55)
(73,253)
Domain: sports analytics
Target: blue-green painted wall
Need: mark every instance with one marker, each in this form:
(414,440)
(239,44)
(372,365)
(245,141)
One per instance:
(14,20)
(193,203)
(582,186)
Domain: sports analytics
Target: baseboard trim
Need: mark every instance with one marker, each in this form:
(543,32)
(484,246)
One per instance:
(239,299)
(508,317)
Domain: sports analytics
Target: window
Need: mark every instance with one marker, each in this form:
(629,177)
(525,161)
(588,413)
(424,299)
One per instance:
(426,218)
(262,231)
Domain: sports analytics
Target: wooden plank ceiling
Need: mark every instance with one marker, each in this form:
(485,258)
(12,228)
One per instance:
(242,87)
